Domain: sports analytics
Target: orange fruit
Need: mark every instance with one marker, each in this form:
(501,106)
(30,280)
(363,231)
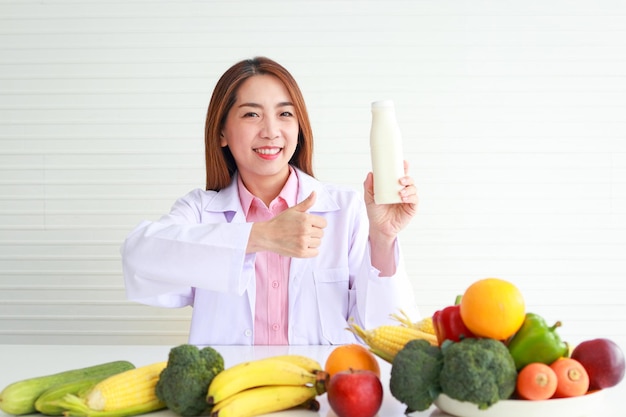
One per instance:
(493,307)
(351,356)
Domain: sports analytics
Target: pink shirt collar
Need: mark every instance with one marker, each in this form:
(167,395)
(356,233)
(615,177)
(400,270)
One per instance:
(289,192)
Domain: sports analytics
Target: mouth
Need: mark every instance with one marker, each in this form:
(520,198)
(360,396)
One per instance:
(268,151)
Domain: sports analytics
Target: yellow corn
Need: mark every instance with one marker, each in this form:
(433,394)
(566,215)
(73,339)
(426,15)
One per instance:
(127,389)
(425,324)
(387,340)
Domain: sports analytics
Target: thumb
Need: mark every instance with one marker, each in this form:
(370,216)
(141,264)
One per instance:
(306,204)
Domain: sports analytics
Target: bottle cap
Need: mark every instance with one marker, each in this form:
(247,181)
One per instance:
(382,104)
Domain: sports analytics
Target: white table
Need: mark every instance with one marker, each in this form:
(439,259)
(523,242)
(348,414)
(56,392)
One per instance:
(19,362)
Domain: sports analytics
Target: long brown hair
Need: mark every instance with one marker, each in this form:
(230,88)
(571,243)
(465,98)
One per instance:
(220,164)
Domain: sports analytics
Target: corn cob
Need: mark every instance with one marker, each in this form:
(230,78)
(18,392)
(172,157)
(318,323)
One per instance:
(123,390)
(125,394)
(425,324)
(48,402)
(19,397)
(387,340)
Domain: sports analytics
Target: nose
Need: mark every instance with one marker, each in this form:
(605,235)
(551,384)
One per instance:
(270,128)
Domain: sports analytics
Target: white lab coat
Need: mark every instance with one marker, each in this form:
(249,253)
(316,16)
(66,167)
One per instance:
(196,256)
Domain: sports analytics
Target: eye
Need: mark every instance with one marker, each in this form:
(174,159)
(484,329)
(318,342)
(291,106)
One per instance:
(286,114)
(250,114)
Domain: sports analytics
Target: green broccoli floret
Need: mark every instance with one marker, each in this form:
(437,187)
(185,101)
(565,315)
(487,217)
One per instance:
(184,382)
(415,372)
(477,370)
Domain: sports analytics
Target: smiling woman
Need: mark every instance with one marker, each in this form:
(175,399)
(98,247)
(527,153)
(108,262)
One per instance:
(262,135)
(221,161)
(267,254)
(512,115)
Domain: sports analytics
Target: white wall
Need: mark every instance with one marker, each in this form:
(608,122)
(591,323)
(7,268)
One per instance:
(513,114)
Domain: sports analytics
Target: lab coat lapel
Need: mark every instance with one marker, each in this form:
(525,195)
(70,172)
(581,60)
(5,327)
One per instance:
(226,201)
(302,268)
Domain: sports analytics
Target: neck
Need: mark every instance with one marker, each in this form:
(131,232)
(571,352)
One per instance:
(266,188)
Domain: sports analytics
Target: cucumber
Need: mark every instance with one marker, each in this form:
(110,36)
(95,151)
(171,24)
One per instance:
(19,397)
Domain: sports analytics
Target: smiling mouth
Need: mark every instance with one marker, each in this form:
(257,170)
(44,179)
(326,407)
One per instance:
(268,151)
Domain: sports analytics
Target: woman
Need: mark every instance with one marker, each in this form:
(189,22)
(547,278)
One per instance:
(267,254)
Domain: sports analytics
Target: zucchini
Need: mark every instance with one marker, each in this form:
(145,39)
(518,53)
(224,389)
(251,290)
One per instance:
(19,397)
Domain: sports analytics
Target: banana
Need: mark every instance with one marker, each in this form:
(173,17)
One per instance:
(305,362)
(256,373)
(263,400)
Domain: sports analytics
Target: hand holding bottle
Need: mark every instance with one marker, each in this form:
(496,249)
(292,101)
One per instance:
(387,220)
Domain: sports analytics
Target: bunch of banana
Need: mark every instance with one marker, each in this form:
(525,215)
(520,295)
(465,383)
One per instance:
(267,385)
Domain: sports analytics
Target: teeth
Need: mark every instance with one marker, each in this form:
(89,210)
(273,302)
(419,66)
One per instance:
(266,151)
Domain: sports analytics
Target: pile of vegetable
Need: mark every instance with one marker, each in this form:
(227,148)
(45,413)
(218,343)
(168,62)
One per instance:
(119,389)
(477,370)
(41,393)
(483,349)
(192,382)
(489,348)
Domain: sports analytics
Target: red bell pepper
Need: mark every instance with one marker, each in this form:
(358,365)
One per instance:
(449,325)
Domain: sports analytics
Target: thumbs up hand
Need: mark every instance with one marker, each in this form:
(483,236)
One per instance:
(305,204)
(293,233)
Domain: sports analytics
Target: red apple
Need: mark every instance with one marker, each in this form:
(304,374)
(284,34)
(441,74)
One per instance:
(355,393)
(604,361)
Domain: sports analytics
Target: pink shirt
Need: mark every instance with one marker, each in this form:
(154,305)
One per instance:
(272,270)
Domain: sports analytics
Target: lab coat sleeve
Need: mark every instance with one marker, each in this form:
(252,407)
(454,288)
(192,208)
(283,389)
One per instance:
(164,260)
(378,297)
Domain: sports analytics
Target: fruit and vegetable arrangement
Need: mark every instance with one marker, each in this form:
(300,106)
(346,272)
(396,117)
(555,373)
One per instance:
(482,349)
(488,348)
(192,382)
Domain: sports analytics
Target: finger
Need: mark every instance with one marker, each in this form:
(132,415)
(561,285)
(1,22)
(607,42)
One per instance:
(409,194)
(409,190)
(314,243)
(316,232)
(368,184)
(318,222)
(306,204)
(411,199)
(407,181)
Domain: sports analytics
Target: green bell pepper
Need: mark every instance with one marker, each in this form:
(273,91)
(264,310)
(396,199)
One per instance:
(535,341)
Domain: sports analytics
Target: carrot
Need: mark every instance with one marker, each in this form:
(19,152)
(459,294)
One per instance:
(572,378)
(536,381)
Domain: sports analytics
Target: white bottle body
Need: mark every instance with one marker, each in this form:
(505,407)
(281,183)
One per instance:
(386,152)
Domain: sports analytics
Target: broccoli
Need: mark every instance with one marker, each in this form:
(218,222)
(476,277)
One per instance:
(184,382)
(415,372)
(477,370)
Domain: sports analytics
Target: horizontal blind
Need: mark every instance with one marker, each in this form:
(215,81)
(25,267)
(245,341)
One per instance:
(512,115)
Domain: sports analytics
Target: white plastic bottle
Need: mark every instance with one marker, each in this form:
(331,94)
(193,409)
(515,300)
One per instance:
(386,152)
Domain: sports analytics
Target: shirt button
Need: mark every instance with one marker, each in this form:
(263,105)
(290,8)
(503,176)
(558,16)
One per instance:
(247,333)
(275,284)
(275,327)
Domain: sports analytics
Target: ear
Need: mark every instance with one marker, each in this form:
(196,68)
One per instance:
(223,142)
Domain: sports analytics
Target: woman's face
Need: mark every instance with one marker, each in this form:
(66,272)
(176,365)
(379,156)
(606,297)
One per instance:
(261,130)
